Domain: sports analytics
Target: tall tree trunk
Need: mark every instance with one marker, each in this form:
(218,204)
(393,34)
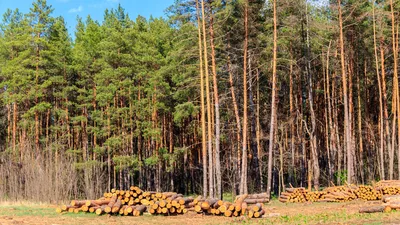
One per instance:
(273,103)
(395,79)
(347,130)
(217,116)
(236,110)
(313,137)
(243,178)
(203,111)
(209,128)
(382,118)
(258,133)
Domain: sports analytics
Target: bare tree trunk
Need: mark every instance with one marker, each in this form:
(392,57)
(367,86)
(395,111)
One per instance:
(382,119)
(203,112)
(236,110)
(332,132)
(258,131)
(210,158)
(243,178)
(313,137)
(217,116)
(395,79)
(347,130)
(273,104)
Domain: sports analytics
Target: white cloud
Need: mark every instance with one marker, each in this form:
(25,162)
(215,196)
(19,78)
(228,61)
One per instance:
(75,10)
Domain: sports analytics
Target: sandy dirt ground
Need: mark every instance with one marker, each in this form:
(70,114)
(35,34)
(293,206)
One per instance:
(277,213)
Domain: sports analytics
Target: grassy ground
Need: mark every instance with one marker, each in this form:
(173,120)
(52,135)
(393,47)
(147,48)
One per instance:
(277,213)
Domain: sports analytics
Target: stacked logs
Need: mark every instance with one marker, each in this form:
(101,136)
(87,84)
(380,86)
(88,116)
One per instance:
(339,194)
(255,198)
(256,211)
(315,196)
(250,205)
(368,193)
(388,187)
(293,195)
(168,203)
(134,202)
(123,202)
(390,202)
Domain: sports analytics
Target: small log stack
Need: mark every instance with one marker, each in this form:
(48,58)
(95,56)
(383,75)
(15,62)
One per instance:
(367,192)
(255,198)
(256,211)
(388,187)
(315,196)
(339,194)
(293,195)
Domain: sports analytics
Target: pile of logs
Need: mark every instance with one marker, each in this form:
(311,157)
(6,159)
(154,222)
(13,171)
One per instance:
(293,195)
(368,193)
(340,194)
(315,196)
(388,187)
(168,203)
(390,202)
(134,202)
(254,198)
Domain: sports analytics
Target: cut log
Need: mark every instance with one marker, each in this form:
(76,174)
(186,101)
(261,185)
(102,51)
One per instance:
(374,209)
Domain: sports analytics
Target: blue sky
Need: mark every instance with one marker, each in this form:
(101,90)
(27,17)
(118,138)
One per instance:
(70,9)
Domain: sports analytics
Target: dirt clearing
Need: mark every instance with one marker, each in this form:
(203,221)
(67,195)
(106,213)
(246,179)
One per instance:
(278,213)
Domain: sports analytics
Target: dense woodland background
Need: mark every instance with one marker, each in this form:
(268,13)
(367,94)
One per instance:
(219,96)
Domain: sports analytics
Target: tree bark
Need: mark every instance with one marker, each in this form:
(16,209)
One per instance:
(203,112)
(217,116)
(347,130)
(243,178)
(273,103)
(210,158)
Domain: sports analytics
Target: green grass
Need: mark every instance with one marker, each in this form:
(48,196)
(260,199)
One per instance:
(295,217)
(40,211)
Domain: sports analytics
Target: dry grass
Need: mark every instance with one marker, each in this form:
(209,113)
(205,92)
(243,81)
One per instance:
(279,213)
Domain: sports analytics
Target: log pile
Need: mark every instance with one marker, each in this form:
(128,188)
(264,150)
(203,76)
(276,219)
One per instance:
(368,193)
(339,194)
(389,203)
(388,187)
(254,198)
(135,202)
(315,196)
(293,195)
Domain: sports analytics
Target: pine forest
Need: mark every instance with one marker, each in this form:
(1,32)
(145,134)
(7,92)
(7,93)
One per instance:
(217,96)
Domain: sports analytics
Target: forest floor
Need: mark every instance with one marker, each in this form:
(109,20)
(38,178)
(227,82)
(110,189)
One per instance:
(278,213)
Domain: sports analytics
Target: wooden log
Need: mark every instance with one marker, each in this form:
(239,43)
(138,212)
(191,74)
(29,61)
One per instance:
(254,200)
(374,209)
(244,208)
(101,210)
(228,213)
(208,203)
(259,213)
(85,208)
(197,208)
(97,202)
(250,213)
(224,206)
(257,207)
(78,203)
(388,198)
(93,209)
(116,206)
(238,203)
